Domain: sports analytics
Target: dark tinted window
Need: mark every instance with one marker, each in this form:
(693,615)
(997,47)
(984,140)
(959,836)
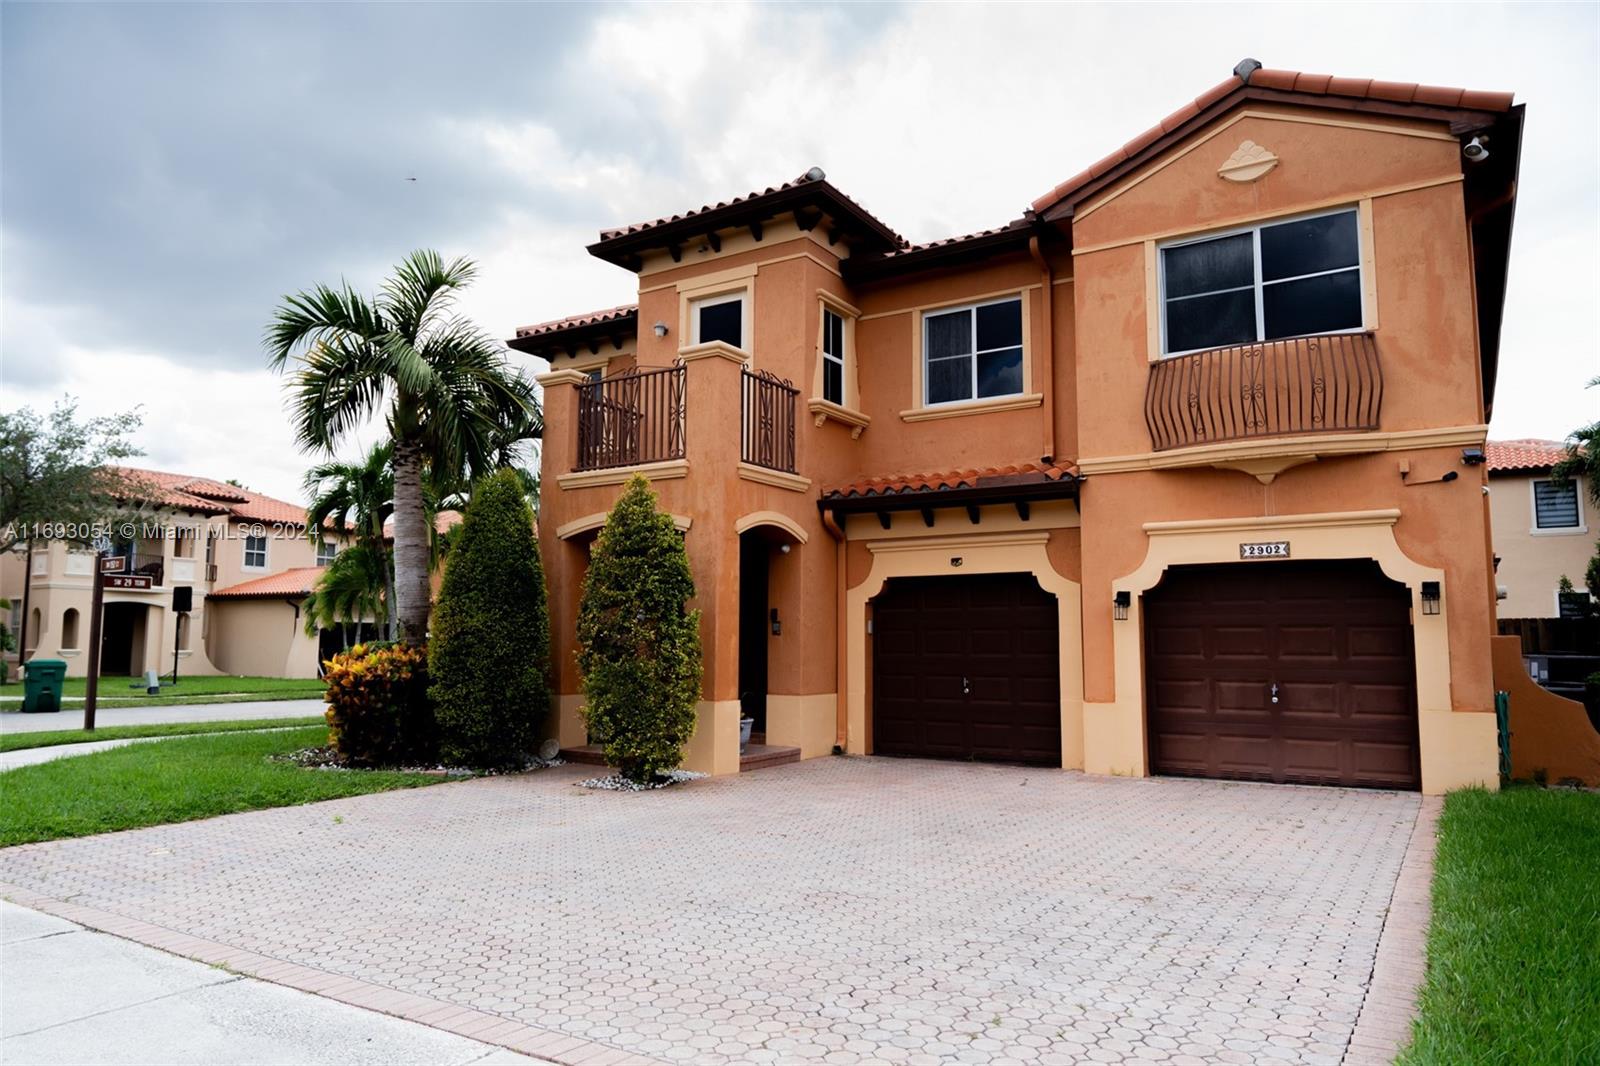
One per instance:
(1309,246)
(1555,506)
(949,334)
(1206,266)
(832,381)
(949,379)
(723,322)
(1211,321)
(833,334)
(1000,325)
(1000,373)
(1320,304)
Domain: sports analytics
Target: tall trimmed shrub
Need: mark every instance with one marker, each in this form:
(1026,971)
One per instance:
(638,646)
(489,644)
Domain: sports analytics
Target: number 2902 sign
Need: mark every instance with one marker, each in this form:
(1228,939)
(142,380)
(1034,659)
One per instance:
(1271,549)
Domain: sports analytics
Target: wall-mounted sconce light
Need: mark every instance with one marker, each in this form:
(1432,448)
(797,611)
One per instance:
(777,626)
(660,329)
(784,548)
(1430,597)
(1120,604)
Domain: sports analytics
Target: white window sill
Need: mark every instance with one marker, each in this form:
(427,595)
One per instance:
(826,410)
(1560,531)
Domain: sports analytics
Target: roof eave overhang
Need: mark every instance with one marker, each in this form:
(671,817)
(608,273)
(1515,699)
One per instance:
(1013,238)
(848,223)
(573,339)
(987,491)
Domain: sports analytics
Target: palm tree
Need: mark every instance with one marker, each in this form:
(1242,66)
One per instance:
(351,589)
(357,498)
(443,387)
(1583,456)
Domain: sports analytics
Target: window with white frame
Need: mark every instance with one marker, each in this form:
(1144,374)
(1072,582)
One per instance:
(973,352)
(326,550)
(832,356)
(1555,506)
(255,551)
(1268,282)
(719,318)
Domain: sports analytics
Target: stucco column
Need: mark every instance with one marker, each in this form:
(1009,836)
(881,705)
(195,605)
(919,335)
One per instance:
(711,445)
(563,562)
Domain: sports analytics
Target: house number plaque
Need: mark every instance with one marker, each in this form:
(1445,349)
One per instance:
(1269,549)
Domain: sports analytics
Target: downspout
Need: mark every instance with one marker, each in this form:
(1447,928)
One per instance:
(841,636)
(1048,370)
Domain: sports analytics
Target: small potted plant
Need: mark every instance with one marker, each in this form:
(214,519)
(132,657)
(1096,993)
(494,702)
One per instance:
(746,725)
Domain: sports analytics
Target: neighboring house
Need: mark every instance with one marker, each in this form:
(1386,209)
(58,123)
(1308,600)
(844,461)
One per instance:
(1177,473)
(1542,531)
(243,555)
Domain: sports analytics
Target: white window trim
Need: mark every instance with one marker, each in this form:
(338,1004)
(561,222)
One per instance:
(836,358)
(972,356)
(1259,285)
(739,296)
(245,562)
(1536,530)
(333,551)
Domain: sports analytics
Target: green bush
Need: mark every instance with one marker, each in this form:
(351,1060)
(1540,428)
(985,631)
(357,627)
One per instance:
(638,648)
(378,709)
(489,647)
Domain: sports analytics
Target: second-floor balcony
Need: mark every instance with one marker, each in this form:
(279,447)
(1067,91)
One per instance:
(640,416)
(1302,385)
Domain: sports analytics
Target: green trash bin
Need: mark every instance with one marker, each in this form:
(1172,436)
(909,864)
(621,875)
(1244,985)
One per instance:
(41,685)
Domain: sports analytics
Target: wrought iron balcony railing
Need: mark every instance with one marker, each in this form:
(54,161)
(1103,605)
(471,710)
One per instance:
(629,418)
(767,431)
(1274,388)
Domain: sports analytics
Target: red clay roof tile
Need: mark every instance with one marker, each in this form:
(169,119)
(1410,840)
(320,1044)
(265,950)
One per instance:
(1525,454)
(955,479)
(589,318)
(298,581)
(193,493)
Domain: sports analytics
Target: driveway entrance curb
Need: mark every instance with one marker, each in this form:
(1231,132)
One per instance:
(463,1021)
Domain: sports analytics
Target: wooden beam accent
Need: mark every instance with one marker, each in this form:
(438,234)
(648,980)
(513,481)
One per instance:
(594,346)
(677,252)
(927,517)
(835,234)
(807,219)
(715,240)
(617,340)
(884,519)
(633,263)
(1022,510)
(972,513)
(755,228)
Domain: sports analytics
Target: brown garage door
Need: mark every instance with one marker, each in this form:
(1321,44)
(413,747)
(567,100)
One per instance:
(966,668)
(1335,640)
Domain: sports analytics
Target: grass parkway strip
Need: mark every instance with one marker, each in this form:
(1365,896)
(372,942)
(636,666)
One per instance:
(54,737)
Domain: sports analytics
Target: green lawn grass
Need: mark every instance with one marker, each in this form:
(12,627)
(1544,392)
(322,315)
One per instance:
(51,737)
(116,691)
(174,781)
(1514,945)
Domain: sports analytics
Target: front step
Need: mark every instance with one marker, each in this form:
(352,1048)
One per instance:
(755,757)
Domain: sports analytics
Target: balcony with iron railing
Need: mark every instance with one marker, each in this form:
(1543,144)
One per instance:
(1303,385)
(639,416)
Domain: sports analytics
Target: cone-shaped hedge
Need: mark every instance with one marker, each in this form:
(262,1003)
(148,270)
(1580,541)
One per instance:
(638,647)
(489,644)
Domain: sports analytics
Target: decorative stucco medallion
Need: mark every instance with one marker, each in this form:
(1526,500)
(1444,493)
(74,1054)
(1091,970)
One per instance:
(1248,162)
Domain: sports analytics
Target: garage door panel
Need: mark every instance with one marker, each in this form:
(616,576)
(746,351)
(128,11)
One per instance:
(999,633)
(1336,638)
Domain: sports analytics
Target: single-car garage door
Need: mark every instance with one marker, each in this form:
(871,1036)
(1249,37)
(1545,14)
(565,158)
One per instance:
(1292,672)
(967,668)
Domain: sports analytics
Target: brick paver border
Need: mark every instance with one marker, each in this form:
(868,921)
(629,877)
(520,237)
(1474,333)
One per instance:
(1384,1024)
(546,1044)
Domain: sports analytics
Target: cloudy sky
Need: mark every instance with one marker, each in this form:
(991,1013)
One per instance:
(167,172)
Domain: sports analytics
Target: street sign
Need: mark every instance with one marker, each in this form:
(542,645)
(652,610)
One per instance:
(127,581)
(114,565)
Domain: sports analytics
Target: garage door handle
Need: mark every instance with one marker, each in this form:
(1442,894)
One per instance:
(1274,692)
(966,686)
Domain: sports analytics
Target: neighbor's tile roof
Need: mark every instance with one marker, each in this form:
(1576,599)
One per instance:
(1019,473)
(591,318)
(212,497)
(298,581)
(443,522)
(1526,454)
(1285,81)
(804,179)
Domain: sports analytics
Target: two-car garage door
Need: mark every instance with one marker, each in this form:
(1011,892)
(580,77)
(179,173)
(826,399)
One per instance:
(1292,672)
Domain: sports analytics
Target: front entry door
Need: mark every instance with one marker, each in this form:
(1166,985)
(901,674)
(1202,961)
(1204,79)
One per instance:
(754,555)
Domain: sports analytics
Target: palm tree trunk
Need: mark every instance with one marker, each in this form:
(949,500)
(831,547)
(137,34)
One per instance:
(412,594)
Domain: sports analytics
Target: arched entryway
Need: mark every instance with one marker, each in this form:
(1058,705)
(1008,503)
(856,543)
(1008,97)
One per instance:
(763,547)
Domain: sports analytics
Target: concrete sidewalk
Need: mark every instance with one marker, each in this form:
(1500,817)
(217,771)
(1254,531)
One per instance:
(69,995)
(72,717)
(10,760)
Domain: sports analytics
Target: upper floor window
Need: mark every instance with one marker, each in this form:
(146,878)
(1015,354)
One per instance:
(183,543)
(326,550)
(719,318)
(255,551)
(1286,279)
(832,356)
(1555,506)
(973,352)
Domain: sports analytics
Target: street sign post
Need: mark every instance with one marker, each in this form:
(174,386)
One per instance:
(91,684)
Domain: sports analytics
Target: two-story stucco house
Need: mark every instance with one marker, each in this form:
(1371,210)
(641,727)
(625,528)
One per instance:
(1180,472)
(242,556)
(1543,531)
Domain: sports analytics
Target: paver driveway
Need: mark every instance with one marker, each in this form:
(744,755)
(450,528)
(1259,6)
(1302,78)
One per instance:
(838,910)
